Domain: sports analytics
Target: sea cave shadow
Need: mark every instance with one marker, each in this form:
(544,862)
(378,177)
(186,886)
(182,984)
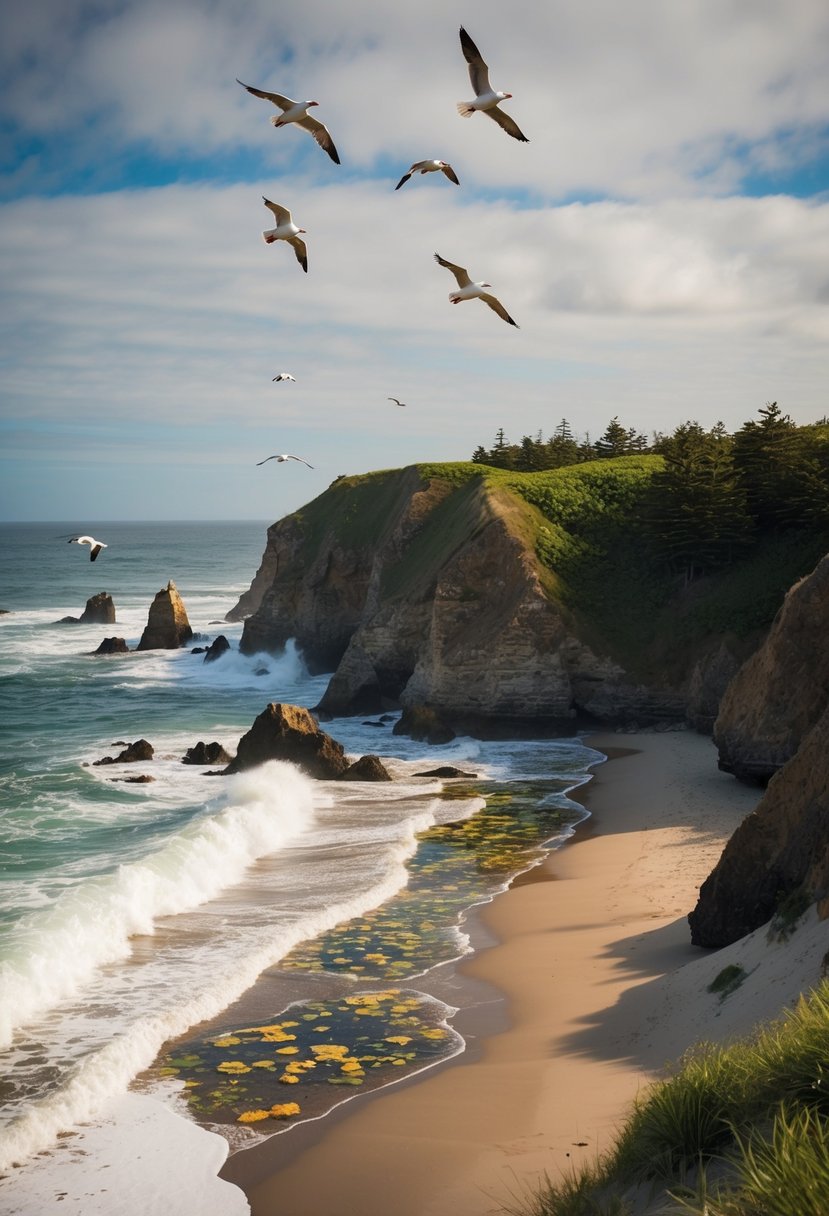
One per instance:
(624,1032)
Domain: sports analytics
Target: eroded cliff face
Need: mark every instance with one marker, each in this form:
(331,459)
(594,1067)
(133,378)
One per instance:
(782,689)
(445,605)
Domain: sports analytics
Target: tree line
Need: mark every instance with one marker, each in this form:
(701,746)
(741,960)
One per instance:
(716,491)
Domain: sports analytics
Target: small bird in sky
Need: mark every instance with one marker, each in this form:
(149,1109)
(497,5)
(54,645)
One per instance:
(284,376)
(95,546)
(285,230)
(473,291)
(396,402)
(429,166)
(486,99)
(295,111)
(285,456)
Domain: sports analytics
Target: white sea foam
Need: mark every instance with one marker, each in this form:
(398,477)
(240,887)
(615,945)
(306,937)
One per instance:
(51,953)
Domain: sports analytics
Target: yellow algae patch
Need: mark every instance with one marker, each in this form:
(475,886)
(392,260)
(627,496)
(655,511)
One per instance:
(402,1039)
(283,1110)
(341,961)
(230,1040)
(375,958)
(262,1064)
(234,1066)
(320,1029)
(253,1116)
(289,1078)
(287,1051)
(434,1033)
(278,1037)
(329,1051)
(351,1066)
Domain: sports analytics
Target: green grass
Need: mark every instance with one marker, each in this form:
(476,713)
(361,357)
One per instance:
(728,980)
(756,1109)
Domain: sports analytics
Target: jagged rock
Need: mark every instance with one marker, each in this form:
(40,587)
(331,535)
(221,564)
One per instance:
(206,753)
(112,646)
(446,770)
(289,732)
(782,847)
(167,623)
(199,650)
(781,690)
(381,725)
(216,649)
(141,779)
(139,750)
(367,768)
(709,680)
(422,723)
(99,610)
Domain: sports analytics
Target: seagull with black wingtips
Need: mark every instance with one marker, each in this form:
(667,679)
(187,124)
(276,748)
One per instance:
(467,290)
(486,99)
(296,112)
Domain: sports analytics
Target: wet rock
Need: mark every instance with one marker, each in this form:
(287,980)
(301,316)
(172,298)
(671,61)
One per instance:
(446,770)
(141,779)
(367,768)
(99,610)
(423,724)
(216,649)
(167,625)
(290,732)
(133,752)
(206,753)
(112,646)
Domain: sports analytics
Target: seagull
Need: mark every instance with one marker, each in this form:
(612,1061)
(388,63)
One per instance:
(486,99)
(473,291)
(284,376)
(284,457)
(95,546)
(429,166)
(295,111)
(396,402)
(285,230)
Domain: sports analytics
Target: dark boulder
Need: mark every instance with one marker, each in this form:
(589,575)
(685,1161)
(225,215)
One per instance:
(99,610)
(206,753)
(167,625)
(141,779)
(216,649)
(423,724)
(289,732)
(367,768)
(112,646)
(446,770)
(133,752)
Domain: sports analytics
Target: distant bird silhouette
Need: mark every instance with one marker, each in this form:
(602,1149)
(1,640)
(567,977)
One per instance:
(295,112)
(396,402)
(284,376)
(285,456)
(486,99)
(429,166)
(473,291)
(95,546)
(285,230)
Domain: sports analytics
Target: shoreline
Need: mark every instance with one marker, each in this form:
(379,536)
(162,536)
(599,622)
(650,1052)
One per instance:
(556,1050)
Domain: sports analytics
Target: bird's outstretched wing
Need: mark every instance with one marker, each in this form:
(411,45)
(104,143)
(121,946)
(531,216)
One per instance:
(459,272)
(321,134)
(94,551)
(498,307)
(396,402)
(449,172)
(509,124)
(301,461)
(405,178)
(300,251)
(283,103)
(478,70)
(283,215)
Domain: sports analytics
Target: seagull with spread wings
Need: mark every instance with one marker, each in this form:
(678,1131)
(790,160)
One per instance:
(296,111)
(429,166)
(284,376)
(95,546)
(285,456)
(486,99)
(396,402)
(467,290)
(285,230)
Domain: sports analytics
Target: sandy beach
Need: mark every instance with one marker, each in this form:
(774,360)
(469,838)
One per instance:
(591,956)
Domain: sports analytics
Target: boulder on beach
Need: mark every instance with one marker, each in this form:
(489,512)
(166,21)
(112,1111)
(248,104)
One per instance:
(112,646)
(367,768)
(289,732)
(139,750)
(206,753)
(167,625)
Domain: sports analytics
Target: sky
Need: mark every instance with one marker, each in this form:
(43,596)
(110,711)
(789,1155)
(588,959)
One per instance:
(662,240)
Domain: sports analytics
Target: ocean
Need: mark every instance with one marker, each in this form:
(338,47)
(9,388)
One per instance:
(192,962)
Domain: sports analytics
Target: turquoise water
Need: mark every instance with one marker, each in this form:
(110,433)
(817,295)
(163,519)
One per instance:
(130,913)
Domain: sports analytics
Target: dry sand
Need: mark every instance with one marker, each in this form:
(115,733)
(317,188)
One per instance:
(603,989)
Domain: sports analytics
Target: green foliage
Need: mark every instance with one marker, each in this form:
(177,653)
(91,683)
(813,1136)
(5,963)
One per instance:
(728,980)
(789,911)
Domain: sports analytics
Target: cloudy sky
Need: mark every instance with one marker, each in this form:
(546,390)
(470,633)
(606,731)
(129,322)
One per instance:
(662,240)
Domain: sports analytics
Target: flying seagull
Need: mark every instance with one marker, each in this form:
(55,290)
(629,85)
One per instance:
(473,291)
(396,402)
(295,111)
(284,376)
(95,546)
(284,457)
(429,166)
(486,99)
(285,230)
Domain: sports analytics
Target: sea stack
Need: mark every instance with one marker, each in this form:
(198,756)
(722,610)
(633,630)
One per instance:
(167,625)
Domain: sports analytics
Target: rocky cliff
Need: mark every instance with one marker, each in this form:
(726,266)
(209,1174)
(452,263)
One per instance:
(419,590)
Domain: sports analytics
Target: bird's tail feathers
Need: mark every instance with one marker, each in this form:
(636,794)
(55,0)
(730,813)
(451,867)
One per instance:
(465,109)
(270,236)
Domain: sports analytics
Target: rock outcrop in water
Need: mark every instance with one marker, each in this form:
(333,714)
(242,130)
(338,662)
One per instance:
(99,610)
(206,753)
(167,625)
(289,732)
(132,754)
(112,646)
